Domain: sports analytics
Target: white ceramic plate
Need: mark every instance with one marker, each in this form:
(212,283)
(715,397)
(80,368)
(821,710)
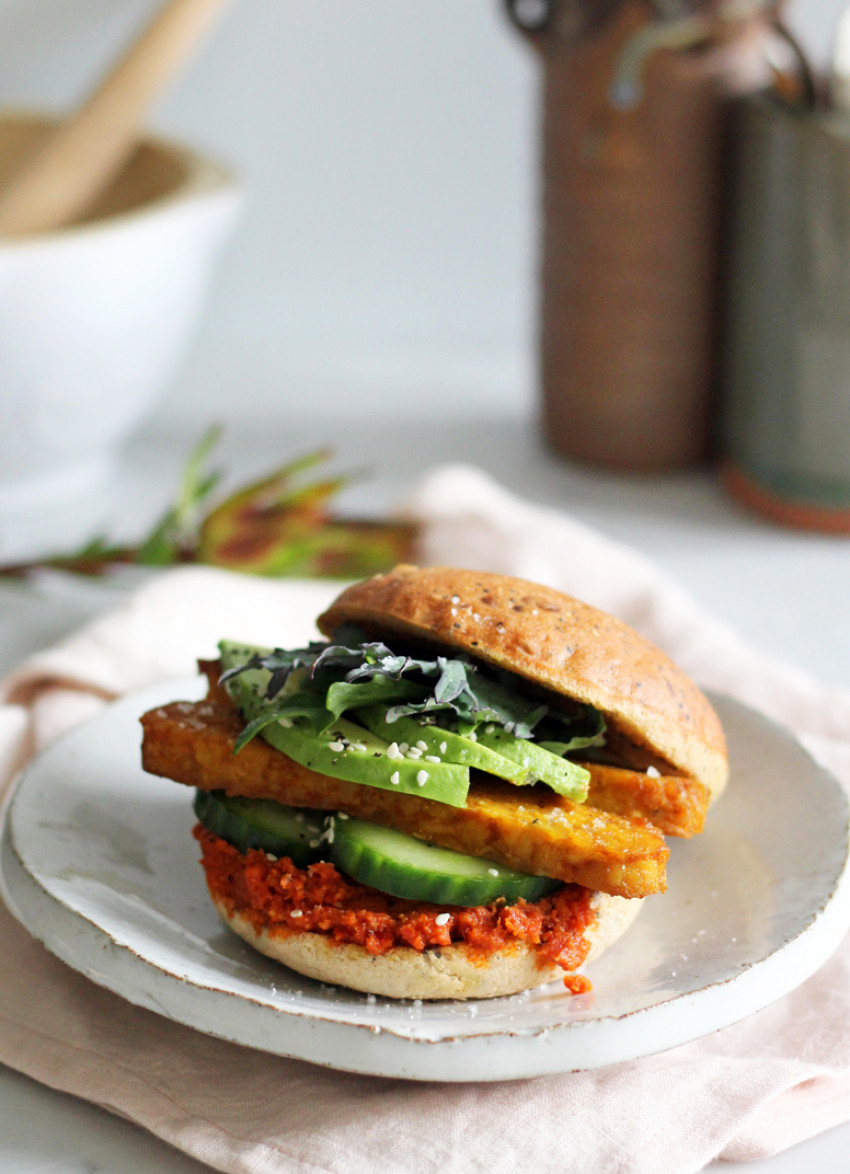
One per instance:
(98,862)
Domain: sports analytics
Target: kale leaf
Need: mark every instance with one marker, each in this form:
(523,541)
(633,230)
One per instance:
(323,681)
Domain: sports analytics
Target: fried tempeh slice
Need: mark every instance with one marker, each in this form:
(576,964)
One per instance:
(531,829)
(674,804)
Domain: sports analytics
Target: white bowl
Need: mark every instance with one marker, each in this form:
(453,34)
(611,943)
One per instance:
(94,318)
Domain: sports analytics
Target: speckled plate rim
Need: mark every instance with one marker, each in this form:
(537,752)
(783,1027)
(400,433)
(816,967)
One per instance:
(512,1038)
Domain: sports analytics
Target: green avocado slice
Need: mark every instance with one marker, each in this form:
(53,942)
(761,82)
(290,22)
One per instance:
(445,744)
(564,777)
(491,748)
(345,750)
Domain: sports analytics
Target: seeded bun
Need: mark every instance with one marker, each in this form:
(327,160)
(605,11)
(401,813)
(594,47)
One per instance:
(451,972)
(656,715)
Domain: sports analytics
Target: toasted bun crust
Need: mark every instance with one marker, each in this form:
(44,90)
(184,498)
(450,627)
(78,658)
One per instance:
(451,972)
(656,715)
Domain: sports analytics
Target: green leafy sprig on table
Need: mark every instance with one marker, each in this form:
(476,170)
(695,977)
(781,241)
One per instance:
(323,681)
(281,525)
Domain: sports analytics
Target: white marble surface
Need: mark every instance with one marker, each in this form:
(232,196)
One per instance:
(787,591)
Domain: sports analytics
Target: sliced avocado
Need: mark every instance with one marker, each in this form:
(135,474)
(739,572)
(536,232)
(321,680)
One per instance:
(346,750)
(444,744)
(490,748)
(564,777)
(403,866)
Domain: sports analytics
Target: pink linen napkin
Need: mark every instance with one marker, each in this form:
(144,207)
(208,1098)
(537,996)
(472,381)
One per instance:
(746,1092)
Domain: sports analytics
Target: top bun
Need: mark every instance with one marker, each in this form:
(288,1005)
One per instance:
(656,715)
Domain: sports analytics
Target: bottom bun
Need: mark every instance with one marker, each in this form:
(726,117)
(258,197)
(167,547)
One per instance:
(446,972)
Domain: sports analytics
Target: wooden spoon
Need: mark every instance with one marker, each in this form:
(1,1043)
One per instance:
(78,158)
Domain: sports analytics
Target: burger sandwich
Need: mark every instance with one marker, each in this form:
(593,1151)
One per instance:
(463,792)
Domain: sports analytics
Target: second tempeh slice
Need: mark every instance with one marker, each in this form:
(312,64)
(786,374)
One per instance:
(676,805)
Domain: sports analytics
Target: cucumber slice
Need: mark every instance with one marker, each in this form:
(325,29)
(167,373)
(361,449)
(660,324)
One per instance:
(564,777)
(346,750)
(261,823)
(403,866)
(446,744)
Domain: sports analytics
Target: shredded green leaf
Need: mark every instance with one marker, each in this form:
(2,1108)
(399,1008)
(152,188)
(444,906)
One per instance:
(451,691)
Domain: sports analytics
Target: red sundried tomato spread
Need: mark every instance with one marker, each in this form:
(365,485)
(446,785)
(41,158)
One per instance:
(278,898)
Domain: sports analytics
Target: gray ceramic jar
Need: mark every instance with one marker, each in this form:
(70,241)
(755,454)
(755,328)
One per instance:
(786,332)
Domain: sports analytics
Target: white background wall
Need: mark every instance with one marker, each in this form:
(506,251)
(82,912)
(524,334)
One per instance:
(385,258)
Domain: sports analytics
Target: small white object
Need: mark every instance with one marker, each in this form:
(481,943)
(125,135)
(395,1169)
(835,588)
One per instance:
(94,320)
